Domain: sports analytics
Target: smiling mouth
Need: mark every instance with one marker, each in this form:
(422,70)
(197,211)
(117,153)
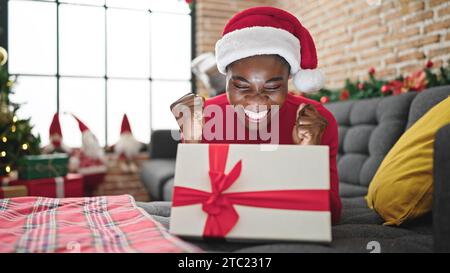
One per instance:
(256,116)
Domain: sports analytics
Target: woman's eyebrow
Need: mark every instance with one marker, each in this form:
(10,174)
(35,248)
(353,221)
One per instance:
(275,79)
(239,78)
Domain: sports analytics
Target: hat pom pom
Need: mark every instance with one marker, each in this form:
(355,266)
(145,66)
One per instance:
(309,80)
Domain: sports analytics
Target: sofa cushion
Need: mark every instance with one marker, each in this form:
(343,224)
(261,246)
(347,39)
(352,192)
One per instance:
(167,190)
(367,130)
(364,112)
(403,185)
(342,132)
(349,167)
(357,138)
(154,174)
(349,190)
(359,226)
(355,211)
(164,144)
(425,101)
(341,111)
(158,208)
(356,238)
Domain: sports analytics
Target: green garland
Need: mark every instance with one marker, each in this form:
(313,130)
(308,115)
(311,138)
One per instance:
(416,82)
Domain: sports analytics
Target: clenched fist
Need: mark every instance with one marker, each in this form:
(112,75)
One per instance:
(309,126)
(188,111)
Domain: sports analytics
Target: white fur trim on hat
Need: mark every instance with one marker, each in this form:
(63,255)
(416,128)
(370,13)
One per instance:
(309,80)
(251,41)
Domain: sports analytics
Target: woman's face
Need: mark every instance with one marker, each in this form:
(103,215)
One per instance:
(257,83)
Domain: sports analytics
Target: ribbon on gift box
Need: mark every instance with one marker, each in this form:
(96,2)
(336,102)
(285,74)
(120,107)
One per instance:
(59,184)
(219,205)
(53,169)
(50,167)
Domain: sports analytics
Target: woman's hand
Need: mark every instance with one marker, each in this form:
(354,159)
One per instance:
(309,126)
(188,111)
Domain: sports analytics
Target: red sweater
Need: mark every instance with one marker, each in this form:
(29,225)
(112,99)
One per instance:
(287,119)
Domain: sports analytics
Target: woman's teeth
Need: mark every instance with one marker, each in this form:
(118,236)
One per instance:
(256,116)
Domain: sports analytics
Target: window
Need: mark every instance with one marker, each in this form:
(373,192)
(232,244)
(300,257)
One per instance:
(99,59)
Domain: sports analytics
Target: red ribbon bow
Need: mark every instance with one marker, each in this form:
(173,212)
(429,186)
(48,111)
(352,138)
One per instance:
(222,216)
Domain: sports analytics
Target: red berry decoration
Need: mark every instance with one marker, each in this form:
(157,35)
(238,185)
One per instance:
(324,99)
(344,95)
(429,64)
(372,71)
(385,89)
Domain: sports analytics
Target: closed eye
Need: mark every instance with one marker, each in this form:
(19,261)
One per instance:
(273,84)
(272,88)
(240,86)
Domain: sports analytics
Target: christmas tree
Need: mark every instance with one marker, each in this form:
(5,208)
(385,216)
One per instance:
(16,139)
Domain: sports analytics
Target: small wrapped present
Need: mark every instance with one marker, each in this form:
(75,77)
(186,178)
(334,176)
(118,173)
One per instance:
(70,185)
(13,191)
(251,192)
(43,166)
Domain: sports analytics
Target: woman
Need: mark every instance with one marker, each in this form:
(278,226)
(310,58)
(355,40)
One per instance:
(260,50)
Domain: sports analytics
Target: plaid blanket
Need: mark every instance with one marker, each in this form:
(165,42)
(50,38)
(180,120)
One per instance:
(90,224)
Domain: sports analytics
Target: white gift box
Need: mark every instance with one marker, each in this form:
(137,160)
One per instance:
(302,172)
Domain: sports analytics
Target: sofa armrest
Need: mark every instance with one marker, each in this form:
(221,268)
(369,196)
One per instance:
(163,144)
(441,192)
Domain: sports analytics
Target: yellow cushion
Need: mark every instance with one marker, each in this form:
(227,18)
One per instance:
(402,188)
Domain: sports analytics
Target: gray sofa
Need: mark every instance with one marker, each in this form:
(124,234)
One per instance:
(367,131)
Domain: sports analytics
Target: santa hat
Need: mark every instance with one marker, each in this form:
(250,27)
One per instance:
(55,136)
(55,128)
(127,146)
(125,127)
(81,125)
(266,31)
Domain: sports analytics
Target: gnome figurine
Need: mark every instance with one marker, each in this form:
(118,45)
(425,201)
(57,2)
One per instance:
(56,144)
(89,142)
(90,159)
(127,148)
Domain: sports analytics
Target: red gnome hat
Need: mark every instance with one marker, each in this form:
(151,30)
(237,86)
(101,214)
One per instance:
(55,131)
(55,138)
(127,147)
(82,126)
(125,127)
(267,31)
